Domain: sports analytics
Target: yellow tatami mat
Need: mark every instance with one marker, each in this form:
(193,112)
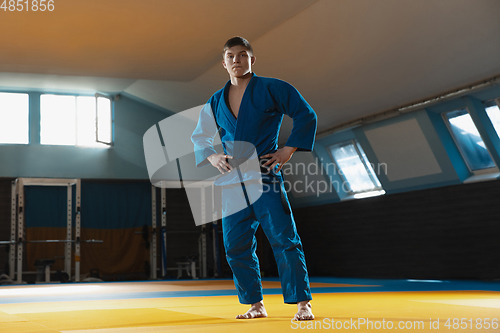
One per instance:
(133,307)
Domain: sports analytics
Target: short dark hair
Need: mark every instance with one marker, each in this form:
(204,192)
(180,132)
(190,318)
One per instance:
(235,41)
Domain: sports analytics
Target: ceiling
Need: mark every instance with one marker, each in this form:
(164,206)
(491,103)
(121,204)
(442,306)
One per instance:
(348,58)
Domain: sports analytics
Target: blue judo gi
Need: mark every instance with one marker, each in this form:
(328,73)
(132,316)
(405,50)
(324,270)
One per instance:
(264,103)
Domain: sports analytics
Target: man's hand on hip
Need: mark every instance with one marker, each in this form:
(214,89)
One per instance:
(220,162)
(279,157)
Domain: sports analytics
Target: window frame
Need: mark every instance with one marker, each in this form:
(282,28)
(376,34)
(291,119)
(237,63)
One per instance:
(95,96)
(447,123)
(495,101)
(101,95)
(351,193)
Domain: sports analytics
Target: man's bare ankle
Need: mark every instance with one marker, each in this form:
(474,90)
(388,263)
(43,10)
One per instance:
(260,303)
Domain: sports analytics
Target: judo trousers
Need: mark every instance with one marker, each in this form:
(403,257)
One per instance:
(240,244)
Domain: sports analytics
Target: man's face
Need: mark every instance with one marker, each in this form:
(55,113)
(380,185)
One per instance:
(237,61)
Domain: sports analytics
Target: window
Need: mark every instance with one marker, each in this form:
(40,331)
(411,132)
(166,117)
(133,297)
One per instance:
(357,173)
(103,121)
(14,118)
(75,120)
(493,112)
(469,140)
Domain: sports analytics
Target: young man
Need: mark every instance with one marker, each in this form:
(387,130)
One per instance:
(250,109)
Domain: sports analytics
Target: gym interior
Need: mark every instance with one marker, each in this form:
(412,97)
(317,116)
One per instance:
(396,206)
